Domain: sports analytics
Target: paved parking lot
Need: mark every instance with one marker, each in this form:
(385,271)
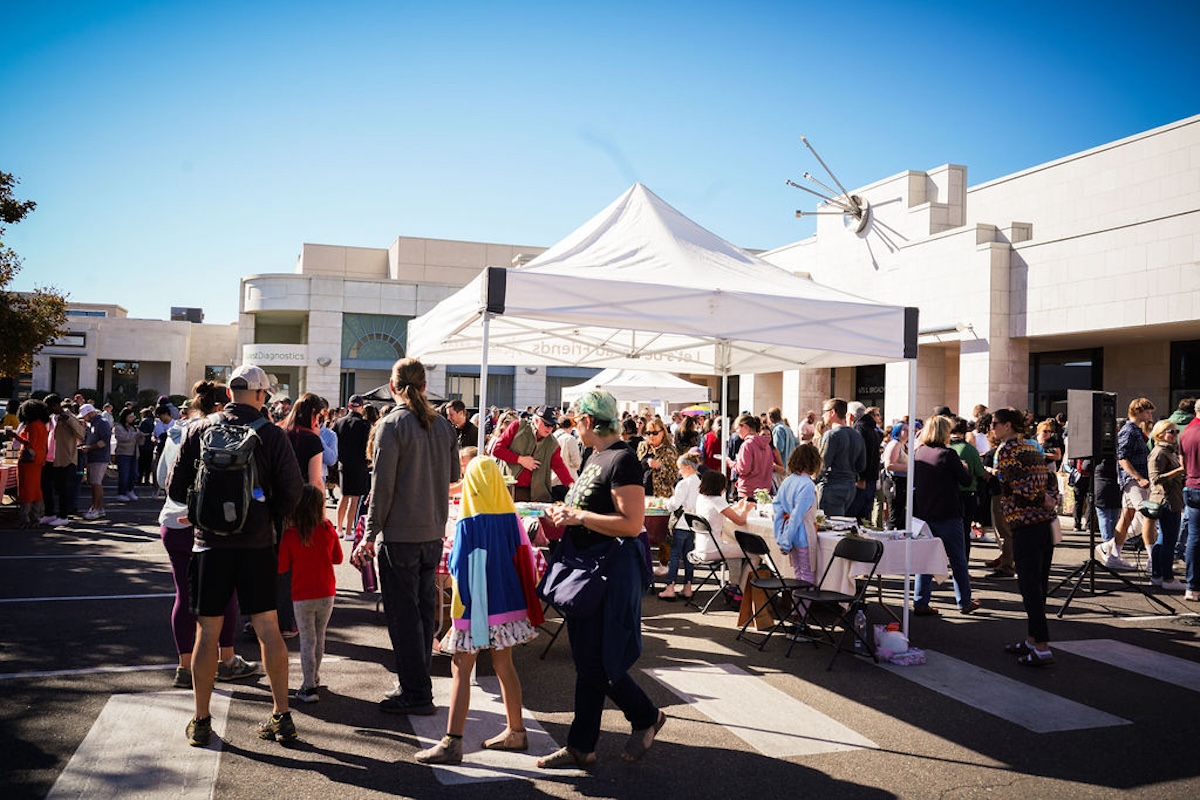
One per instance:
(86,708)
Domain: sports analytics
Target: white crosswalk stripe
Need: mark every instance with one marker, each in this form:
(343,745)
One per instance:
(1147,663)
(772,722)
(1028,706)
(136,749)
(486,719)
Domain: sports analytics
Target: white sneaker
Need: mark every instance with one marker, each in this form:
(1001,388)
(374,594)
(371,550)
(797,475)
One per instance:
(1102,552)
(1191,596)
(1173,586)
(1118,563)
(45,520)
(91,513)
(56,521)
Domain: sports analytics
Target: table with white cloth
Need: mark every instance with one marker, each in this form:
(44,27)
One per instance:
(928,554)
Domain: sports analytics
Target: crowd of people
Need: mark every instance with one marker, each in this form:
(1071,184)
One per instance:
(387,473)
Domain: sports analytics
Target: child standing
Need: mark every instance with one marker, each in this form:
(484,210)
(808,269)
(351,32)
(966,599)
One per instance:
(310,548)
(795,509)
(682,501)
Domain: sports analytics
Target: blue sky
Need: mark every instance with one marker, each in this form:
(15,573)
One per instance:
(174,147)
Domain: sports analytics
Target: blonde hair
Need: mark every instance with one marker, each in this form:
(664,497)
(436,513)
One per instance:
(936,431)
(1161,427)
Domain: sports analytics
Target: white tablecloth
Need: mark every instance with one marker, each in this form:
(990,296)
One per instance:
(928,555)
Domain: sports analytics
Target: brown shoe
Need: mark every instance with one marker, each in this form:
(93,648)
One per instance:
(508,740)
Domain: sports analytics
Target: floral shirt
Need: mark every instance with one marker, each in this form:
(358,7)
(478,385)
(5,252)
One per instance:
(664,478)
(1026,481)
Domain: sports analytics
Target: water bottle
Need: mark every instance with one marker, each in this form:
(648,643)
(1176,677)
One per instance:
(860,628)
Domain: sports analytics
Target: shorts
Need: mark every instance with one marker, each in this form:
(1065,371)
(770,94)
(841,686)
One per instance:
(1132,496)
(213,576)
(95,472)
(331,475)
(356,480)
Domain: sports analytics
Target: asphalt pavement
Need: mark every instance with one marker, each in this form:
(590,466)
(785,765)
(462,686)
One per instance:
(87,708)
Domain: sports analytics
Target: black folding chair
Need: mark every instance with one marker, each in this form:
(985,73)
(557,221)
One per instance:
(754,548)
(863,552)
(717,571)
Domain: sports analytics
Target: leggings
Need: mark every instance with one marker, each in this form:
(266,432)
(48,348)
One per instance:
(178,542)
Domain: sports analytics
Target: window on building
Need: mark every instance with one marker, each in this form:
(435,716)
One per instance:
(1052,374)
(1185,372)
(373,341)
(78,312)
(558,378)
(869,382)
(124,381)
(217,373)
(462,383)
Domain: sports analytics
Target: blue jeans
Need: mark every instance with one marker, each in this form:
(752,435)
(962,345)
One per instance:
(836,498)
(126,473)
(406,581)
(1191,499)
(950,531)
(1107,518)
(680,547)
(1162,554)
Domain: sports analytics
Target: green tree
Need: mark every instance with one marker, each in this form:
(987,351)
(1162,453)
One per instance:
(29,320)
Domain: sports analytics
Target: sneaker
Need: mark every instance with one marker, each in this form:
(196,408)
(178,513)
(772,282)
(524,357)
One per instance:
(199,732)
(92,513)
(236,669)
(1118,563)
(1191,596)
(280,728)
(54,522)
(1156,581)
(183,678)
(309,695)
(45,520)
(1101,552)
(448,751)
(1173,585)
(395,705)
(290,634)
(395,692)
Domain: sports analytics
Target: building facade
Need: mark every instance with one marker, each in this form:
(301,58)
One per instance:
(106,350)
(336,325)
(1083,273)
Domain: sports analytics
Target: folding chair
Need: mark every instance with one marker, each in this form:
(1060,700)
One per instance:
(754,546)
(855,549)
(717,575)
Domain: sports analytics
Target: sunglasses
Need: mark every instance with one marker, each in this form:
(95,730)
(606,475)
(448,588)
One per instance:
(653,433)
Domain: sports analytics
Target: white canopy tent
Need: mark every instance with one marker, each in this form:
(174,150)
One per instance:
(631,385)
(641,286)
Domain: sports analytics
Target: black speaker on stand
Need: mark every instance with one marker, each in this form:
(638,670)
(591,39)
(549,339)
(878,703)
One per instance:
(1092,423)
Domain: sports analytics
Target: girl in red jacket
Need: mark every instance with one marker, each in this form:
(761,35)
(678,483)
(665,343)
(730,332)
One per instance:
(310,548)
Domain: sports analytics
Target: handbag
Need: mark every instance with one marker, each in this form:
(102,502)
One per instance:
(1151,510)
(27,455)
(575,583)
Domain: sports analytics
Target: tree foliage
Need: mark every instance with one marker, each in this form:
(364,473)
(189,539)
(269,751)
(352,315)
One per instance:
(28,320)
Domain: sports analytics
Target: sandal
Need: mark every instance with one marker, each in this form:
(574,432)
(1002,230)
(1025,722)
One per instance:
(567,758)
(669,598)
(969,607)
(508,740)
(924,611)
(1021,648)
(1034,659)
(638,743)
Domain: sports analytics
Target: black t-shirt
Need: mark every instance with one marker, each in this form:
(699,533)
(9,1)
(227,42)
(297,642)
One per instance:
(352,432)
(305,444)
(605,470)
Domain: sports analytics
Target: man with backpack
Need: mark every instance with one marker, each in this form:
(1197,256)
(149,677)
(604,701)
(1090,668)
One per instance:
(238,476)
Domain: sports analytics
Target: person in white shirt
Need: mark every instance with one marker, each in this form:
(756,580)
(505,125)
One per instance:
(682,500)
(571,452)
(711,505)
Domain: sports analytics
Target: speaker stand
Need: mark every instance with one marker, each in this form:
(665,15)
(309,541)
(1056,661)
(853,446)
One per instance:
(1088,568)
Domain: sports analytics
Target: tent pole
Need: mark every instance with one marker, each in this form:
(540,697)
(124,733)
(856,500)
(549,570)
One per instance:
(483,381)
(908,489)
(725,423)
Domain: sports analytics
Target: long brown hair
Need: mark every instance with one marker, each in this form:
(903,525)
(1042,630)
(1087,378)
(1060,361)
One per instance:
(304,413)
(408,383)
(309,512)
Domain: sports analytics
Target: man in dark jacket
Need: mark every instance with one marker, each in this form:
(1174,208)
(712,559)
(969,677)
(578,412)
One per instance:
(245,561)
(352,431)
(866,422)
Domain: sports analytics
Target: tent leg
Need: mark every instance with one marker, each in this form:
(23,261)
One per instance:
(908,489)
(483,381)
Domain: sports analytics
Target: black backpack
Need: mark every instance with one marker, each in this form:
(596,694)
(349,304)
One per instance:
(226,477)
